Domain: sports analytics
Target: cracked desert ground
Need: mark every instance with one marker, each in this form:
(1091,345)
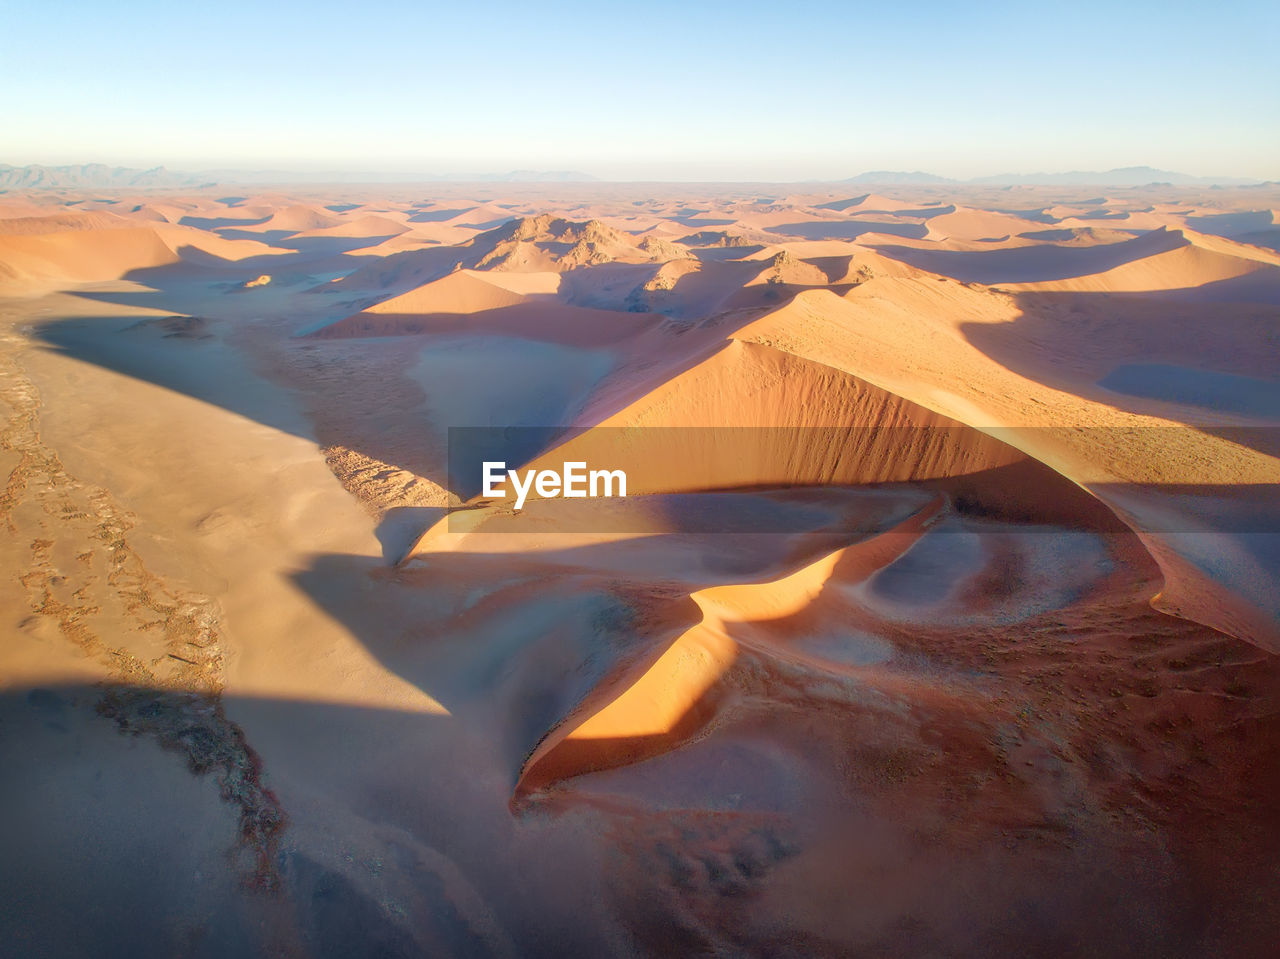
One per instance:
(940,619)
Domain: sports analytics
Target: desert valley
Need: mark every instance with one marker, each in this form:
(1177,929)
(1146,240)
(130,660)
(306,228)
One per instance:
(940,616)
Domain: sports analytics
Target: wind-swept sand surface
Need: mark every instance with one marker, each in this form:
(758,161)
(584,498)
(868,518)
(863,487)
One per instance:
(941,617)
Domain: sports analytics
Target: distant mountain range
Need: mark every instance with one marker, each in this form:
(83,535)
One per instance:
(99,176)
(889,177)
(534,176)
(397,176)
(94,176)
(1121,176)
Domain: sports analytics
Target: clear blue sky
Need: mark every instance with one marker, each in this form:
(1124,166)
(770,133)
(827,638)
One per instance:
(736,90)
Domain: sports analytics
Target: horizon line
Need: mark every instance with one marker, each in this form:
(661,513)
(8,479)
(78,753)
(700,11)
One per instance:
(350,176)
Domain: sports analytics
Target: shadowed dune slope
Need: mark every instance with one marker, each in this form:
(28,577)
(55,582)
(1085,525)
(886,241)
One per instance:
(753,416)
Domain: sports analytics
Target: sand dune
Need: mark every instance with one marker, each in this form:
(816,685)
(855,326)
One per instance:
(61,223)
(946,570)
(546,242)
(970,224)
(1028,264)
(666,702)
(81,255)
(188,243)
(363,227)
(398,271)
(778,389)
(1187,267)
(296,219)
(460,292)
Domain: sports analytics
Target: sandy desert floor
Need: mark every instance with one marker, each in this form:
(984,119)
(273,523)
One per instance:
(941,618)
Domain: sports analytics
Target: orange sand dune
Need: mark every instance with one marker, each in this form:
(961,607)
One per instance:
(1075,236)
(869,203)
(20,206)
(664,702)
(789,421)
(189,243)
(1026,263)
(979,391)
(363,226)
(786,268)
(970,224)
(81,255)
(151,213)
(59,223)
(296,219)
(1189,266)
(400,270)
(481,217)
(462,292)
(407,241)
(946,570)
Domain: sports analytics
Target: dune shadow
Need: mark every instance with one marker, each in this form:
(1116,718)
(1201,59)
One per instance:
(922,213)
(307,247)
(401,526)
(1207,389)
(488,224)
(221,222)
(120,795)
(437,216)
(1233,224)
(532,382)
(1153,347)
(698,220)
(203,370)
(841,205)
(721,254)
(1032,264)
(1036,214)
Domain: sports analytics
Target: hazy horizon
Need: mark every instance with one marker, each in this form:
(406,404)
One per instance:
(728,92)
(913,177)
